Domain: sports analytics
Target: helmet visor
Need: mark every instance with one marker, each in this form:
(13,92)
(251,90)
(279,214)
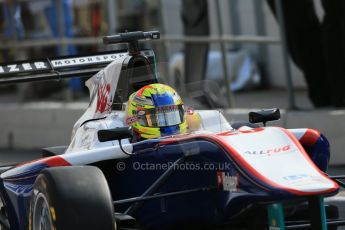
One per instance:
(161,116)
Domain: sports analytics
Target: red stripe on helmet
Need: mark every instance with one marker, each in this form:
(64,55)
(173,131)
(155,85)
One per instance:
(140,91)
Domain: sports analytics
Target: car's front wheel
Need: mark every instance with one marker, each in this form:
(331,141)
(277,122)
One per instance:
(75,197)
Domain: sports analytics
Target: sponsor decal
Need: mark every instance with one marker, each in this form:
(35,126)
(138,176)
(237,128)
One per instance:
(47,65)
(303,180)
(130,120)
(97,59)
(268,151)
(141,112)
(59,63)
(167,108)
(297,177)
(227,182)
(190,111)
(102,98)
(24,67)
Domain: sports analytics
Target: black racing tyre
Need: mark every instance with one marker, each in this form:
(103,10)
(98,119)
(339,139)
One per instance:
(75,197)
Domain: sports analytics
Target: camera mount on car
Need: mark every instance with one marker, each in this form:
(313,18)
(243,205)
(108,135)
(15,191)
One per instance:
(131,38)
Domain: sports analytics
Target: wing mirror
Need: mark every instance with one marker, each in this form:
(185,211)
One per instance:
(115,134)
(264,116)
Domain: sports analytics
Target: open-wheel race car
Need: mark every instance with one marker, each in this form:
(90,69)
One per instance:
(215,175)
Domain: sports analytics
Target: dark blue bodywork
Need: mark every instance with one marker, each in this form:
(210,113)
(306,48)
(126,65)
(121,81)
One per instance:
(203,162)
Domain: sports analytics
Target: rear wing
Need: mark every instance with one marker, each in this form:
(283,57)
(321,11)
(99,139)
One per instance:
(77,66)
(61,67)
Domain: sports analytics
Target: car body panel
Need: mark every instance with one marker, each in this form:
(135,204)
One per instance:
(241,171)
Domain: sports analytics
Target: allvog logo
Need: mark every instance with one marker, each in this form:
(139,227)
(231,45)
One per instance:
(59,63)
(281,149)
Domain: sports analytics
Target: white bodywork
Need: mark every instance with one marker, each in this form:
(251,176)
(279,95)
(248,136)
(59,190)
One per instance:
(102,87)
(272,155)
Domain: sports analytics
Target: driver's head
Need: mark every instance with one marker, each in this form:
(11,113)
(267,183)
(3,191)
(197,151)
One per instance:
(156,110)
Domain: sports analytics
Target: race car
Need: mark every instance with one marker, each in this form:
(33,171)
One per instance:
(215,176)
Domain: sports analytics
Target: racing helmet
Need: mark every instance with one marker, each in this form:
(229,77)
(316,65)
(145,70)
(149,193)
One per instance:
(156,110)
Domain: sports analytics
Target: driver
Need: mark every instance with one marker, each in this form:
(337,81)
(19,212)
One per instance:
(156,110)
